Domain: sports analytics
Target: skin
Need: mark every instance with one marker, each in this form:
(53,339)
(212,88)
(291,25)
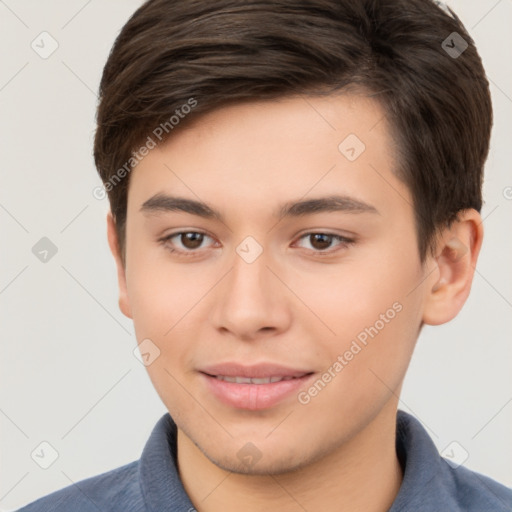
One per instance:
(290,306)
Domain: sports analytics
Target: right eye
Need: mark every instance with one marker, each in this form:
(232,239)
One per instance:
(189,240)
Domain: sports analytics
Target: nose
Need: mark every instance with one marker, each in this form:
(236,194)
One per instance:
(253,302)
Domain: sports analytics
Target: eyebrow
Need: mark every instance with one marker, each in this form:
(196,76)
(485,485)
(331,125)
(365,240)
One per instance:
(334,203)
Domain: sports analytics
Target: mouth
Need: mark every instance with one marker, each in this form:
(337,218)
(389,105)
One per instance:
(248,380)
(253,387)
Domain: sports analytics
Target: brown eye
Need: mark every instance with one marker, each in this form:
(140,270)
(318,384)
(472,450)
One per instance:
(184,243)
(319,242)
(191,239)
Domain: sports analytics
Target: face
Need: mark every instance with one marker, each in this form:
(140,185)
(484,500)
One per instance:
(283,329)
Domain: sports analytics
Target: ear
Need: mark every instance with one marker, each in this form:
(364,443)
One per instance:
(113,242)
(457,252)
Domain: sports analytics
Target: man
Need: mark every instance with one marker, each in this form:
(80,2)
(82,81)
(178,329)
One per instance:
(295,189)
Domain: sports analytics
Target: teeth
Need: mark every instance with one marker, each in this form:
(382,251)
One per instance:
(247,380)
(227,379)
(266,380)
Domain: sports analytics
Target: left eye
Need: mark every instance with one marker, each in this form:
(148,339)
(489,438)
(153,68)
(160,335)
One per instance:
(322,241)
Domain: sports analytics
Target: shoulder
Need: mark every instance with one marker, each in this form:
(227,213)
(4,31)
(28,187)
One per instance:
(473,491)
(112,491)
(432,482)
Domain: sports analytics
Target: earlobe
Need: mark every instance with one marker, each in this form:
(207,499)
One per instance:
(457,253)
(124,302)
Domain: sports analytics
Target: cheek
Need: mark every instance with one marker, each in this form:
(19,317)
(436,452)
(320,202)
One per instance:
(168,303)
(364,364)
(373,316)
(346,299)
(162,301)
(160,292)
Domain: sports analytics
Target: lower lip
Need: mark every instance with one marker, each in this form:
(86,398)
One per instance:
(254,397)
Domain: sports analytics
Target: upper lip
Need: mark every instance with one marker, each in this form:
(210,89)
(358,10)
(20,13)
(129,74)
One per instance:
(256,371)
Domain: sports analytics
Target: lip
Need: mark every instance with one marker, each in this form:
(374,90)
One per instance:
(253,396)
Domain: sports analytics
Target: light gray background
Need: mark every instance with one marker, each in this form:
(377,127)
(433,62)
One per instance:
(68,373)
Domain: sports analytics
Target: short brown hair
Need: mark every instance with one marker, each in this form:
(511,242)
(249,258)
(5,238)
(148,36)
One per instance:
(430,81)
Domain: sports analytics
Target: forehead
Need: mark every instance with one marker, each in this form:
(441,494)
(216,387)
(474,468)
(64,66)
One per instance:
(254,156)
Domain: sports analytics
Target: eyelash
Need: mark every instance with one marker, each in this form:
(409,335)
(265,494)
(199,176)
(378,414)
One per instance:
(344,242)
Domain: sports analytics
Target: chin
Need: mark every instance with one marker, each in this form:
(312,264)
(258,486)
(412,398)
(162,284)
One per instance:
(263,467)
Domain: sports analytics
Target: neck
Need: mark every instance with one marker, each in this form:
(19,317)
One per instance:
(362,474)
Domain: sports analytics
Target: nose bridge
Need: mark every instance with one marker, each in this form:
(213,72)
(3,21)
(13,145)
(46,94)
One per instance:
(251,298)
(251,273)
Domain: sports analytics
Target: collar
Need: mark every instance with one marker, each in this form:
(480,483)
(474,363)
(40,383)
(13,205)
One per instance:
(428,480)
(158,474)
